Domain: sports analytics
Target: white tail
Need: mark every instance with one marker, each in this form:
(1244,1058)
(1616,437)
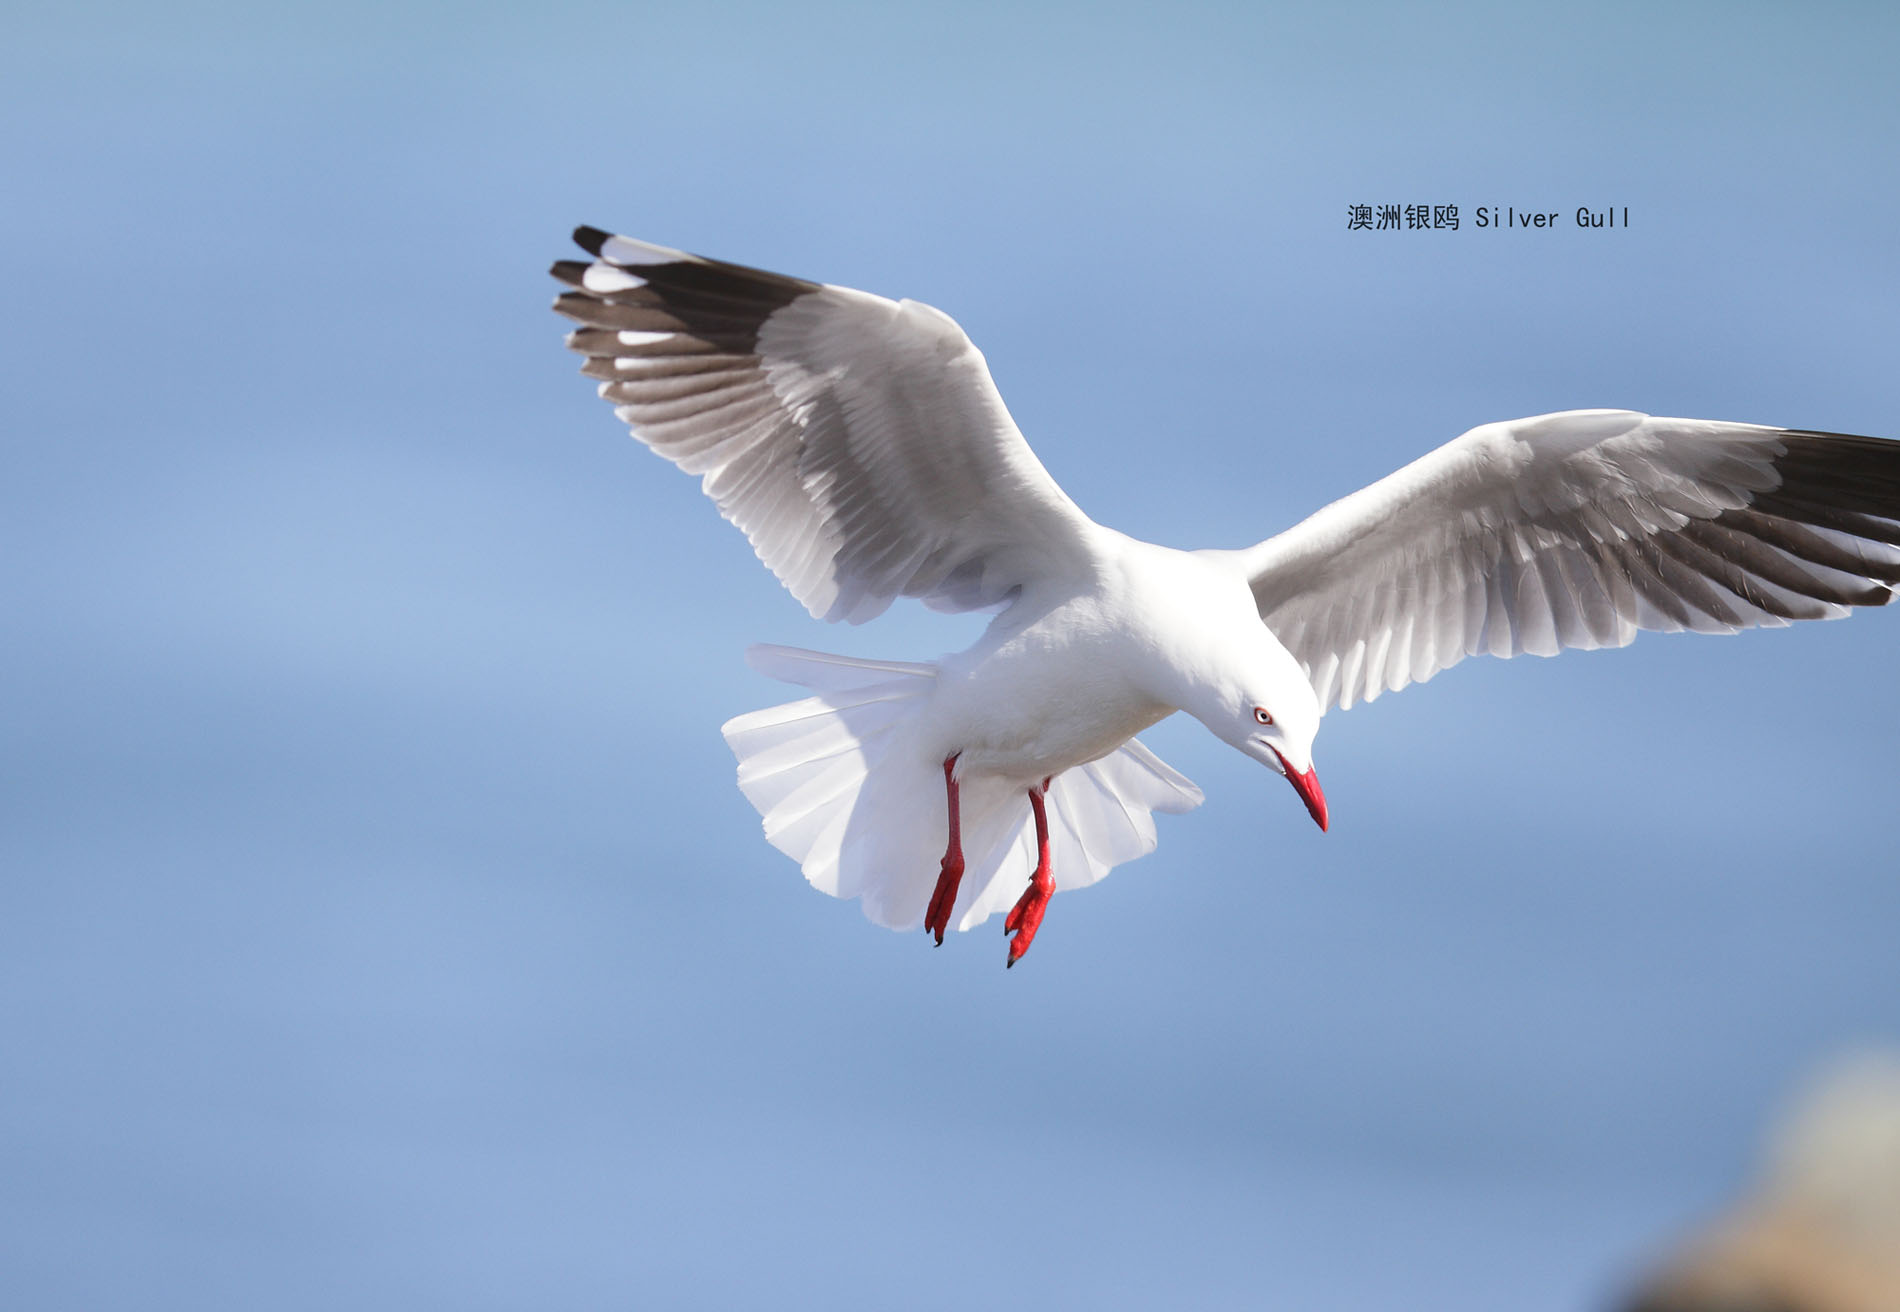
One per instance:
(848,790)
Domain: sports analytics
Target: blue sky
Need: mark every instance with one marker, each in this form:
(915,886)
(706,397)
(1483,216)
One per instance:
(380,925)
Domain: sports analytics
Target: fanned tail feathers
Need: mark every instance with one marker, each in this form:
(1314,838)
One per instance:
(848,791)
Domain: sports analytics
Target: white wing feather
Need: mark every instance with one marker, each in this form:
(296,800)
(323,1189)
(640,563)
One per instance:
(858,442)
(1577,530)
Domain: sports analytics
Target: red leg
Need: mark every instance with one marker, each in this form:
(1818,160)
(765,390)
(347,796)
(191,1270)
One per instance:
(944,900)
(1026,918)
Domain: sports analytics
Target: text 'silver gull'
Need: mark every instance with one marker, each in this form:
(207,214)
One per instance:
(864,450)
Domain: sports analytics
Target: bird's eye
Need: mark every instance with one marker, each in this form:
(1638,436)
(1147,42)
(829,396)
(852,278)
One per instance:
(1260,715)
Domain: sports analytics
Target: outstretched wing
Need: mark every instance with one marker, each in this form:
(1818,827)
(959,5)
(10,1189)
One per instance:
(1578,530)
(858,442)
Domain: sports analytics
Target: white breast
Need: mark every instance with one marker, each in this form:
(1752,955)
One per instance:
(1069,686)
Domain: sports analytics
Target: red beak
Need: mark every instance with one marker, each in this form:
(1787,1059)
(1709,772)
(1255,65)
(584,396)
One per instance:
(1307,786)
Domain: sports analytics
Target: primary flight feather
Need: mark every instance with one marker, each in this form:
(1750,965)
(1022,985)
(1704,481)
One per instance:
(865,452)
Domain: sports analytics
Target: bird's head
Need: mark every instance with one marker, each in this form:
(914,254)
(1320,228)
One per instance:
(1265,707)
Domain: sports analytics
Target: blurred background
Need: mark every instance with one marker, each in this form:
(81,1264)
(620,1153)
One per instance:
(380,925)
(1818,1230)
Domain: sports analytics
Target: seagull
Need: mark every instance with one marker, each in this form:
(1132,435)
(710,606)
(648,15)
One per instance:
(862,447)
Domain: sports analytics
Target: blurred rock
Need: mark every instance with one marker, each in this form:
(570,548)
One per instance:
(1821,1231)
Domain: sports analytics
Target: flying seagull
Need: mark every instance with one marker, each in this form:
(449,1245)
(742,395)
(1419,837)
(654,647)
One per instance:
(862,447)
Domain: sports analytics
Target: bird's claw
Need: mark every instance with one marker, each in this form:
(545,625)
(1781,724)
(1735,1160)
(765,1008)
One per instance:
(1026,917)
(944,900)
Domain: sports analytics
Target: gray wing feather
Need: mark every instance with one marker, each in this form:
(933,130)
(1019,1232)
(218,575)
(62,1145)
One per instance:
(858,442)
(1578,530)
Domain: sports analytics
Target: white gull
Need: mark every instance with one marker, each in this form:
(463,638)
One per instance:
(862,447)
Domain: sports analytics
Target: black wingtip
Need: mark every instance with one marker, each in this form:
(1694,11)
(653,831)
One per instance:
(590,239)
(569,271)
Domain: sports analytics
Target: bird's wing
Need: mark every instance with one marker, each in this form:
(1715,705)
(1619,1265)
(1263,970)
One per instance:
(859,443)
(1578,530)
